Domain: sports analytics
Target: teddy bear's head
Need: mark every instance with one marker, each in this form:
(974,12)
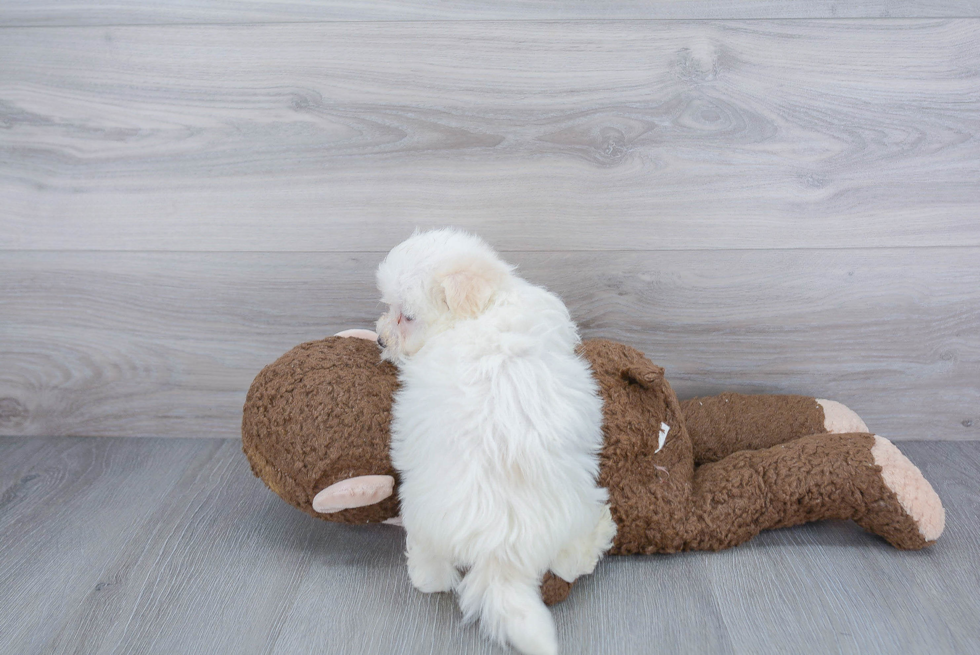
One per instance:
(316,430)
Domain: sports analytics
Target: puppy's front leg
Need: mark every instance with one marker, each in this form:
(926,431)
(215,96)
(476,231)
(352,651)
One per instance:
(580,555)
(429,570)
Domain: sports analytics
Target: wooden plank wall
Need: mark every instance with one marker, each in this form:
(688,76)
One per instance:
(765,197)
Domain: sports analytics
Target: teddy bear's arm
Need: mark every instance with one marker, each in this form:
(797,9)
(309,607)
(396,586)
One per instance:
(725,424)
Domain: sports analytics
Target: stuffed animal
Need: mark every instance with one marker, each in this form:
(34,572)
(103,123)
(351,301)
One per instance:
(704,474)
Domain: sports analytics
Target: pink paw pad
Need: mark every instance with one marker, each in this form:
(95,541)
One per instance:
(839,418)
(914,492)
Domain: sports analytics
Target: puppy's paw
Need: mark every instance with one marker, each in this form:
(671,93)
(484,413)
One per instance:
(581,555)
(430,573)
(433,578)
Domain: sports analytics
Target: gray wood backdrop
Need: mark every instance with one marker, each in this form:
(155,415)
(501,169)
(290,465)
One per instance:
(763,196)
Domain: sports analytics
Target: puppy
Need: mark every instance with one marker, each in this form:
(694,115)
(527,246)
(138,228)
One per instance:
(496,430)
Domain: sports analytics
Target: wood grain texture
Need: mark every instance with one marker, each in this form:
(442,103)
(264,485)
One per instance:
(170,545)
(163,587)
(132,12)
(539,135)
(69,506)
(166,344)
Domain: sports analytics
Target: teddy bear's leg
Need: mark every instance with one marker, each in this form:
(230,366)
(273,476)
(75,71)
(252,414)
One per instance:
(856,476)
(725,424)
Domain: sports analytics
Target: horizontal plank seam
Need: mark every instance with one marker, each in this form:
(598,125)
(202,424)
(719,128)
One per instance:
(801,19)
(5,251)
(145,437)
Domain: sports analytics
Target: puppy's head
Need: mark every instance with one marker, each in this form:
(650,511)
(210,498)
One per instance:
(430,282)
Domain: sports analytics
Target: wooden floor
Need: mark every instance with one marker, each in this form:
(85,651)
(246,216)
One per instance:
(171,546)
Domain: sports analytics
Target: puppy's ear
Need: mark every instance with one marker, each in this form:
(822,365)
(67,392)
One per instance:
(468,288)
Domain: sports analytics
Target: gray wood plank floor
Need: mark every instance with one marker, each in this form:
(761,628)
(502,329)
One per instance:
(171,546)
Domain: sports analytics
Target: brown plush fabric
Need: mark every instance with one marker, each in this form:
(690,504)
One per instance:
(321,414)
(730,422)
(661,503)
(554,589)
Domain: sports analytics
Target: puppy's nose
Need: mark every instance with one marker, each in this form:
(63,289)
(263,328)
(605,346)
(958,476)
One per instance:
(381,342)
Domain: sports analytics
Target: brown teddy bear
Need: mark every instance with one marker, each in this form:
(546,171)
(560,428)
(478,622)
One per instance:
(704,474)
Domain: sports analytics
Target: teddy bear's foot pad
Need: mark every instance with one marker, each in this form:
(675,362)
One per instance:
(913,491)
(839,418)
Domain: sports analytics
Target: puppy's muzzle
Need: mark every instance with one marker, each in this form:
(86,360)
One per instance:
(381,341)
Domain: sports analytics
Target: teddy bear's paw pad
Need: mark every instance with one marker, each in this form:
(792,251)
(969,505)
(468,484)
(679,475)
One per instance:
(913,491)
(839,418)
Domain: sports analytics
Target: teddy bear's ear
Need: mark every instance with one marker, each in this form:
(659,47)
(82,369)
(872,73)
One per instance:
(642,372)
(358,333)
(354,492)
(469,285)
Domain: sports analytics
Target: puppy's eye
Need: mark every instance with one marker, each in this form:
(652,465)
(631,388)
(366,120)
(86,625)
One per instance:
(408,318)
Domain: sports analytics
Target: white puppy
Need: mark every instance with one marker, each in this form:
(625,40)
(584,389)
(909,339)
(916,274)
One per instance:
(496,432)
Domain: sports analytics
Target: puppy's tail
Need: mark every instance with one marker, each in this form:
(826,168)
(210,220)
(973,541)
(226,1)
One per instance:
(509,605)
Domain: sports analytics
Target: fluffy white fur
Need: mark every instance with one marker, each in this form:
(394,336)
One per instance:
(496,432)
